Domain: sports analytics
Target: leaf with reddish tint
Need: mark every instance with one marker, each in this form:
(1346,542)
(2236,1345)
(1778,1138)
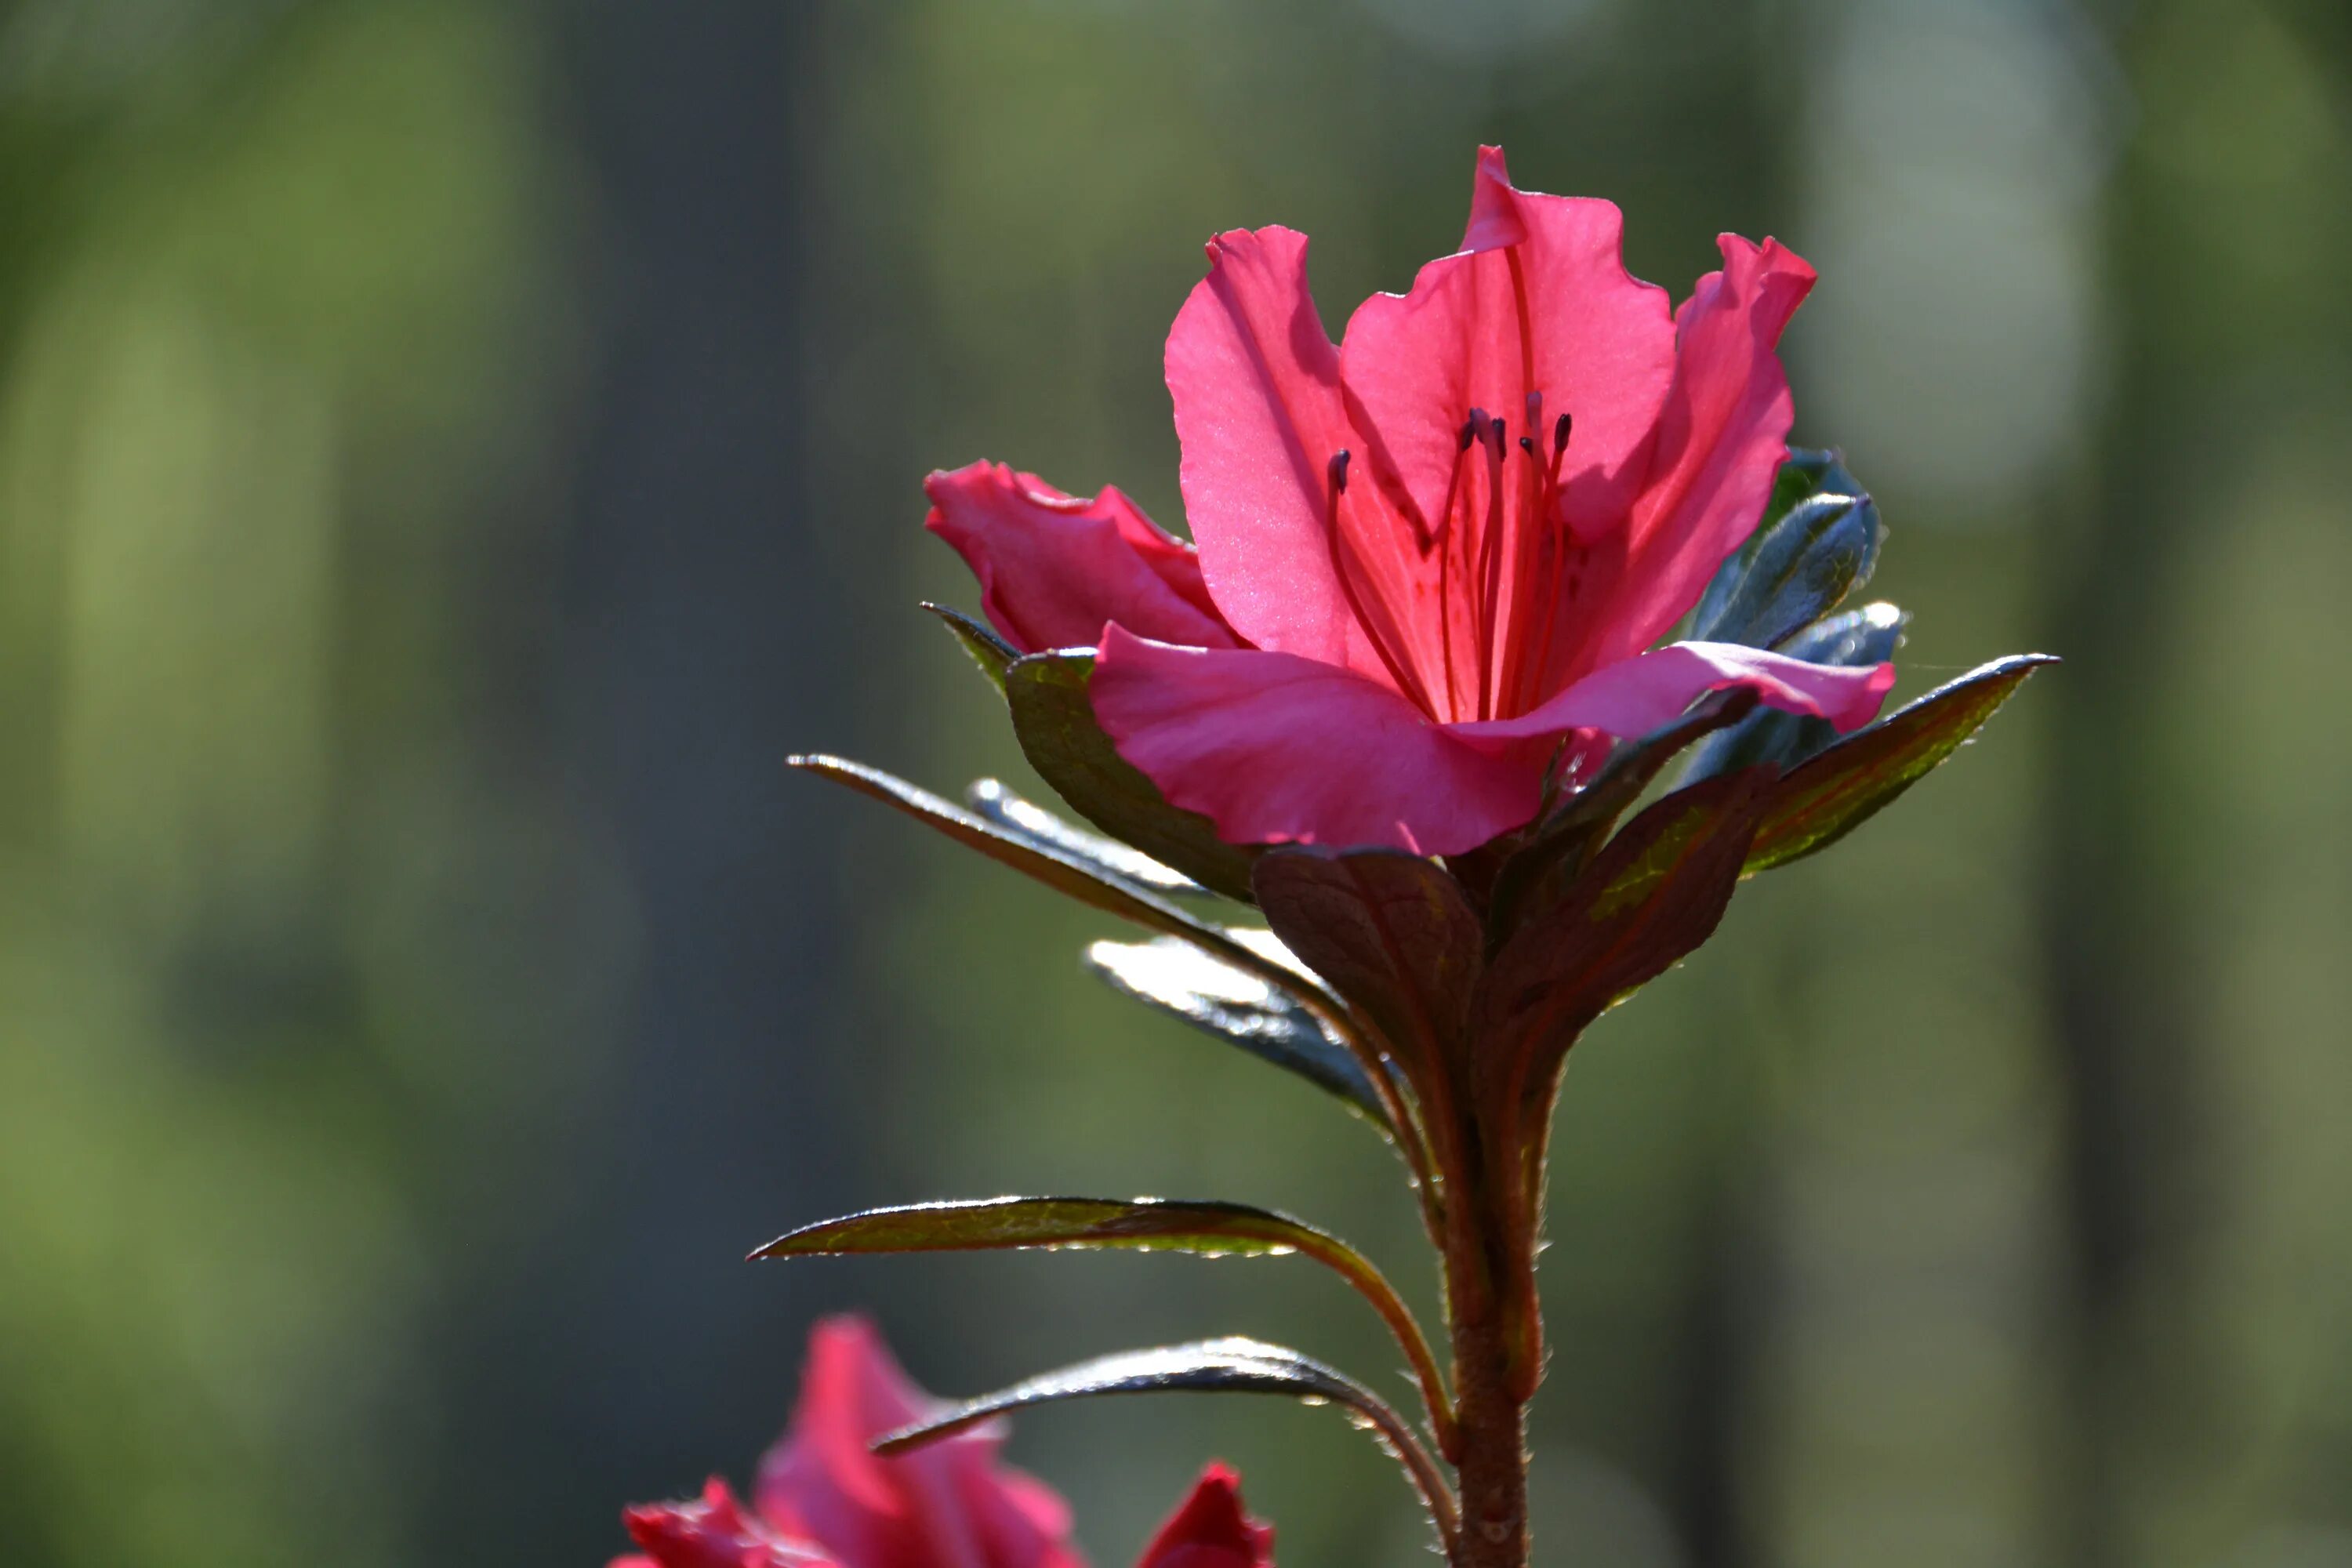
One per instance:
(1389,931)
(1546,860)
(1654,894)
(1839,789)
(1263,1019)
(990,799)
(1233,1365)
(1054,720)
(1209,1228)
(992,653)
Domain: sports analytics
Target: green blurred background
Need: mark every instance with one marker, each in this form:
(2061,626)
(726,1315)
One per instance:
(450,453)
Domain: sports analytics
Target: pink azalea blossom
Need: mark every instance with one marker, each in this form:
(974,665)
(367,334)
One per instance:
(1209,1530)
(1432,552)
(824,1500)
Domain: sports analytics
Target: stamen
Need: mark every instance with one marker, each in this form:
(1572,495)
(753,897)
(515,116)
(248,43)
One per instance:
(1337,472)
(1490,561)
(1558,536)
(1468,433)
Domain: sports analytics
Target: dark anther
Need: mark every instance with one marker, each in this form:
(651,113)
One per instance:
(1559,432)
(1527,445)
(1338,470)
(1469,433)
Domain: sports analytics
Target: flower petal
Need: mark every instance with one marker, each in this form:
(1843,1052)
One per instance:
(1720,442)
(1053,569)
(1255,384)
(949,1505)
(1209,1530)
(1635,696)
(712,1532)
(1278,749)
(1537,300)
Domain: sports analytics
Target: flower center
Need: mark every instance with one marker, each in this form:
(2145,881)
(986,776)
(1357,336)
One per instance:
(1504,562)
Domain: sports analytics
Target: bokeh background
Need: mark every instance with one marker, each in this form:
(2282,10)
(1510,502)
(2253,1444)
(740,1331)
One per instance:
(450,453)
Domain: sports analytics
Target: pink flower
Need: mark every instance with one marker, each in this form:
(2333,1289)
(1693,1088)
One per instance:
(1209,1530)
(1430,553)
(823,1500)
(711,1532)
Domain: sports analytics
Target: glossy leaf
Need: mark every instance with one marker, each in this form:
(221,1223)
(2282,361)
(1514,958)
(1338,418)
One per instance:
(1836,792)
(1808,473)
(1210,1229)
(1865,636)
(1242,1009)
(1231,1365)
(992,653)
(1391,933)
(1053,718)
(1548,858)
(1063,872)
(990,799)
(1087,883)
(1791,572)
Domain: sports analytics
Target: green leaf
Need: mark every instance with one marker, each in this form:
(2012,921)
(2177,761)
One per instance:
(1084,881)
(1844,787)
(992,653)
(990,799)
(1791,572)
(1210,1229)
(1391,933)
(1054,720)
(1858,638)
(1242,1009)
(1801,560)
(1537,873)
(1231,1365)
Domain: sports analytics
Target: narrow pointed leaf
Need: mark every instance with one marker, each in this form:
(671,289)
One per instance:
(1836,792)
(1085,882)
(992,653)
(1868,636)
(1209,1228)
(1231,1365)
(990,799)
(1242,1009)
(1053,718)
(1389,931)
(1536,872)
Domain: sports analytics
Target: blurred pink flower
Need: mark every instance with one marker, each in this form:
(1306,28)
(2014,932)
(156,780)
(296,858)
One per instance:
(823,1500)
(1427,554)
(1209,1530)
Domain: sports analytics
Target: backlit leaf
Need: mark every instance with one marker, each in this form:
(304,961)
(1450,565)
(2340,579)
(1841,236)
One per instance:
(1837,791)
(1208,1229)
(1231,1365)
(992,653)
(1263,1019)
(990,799)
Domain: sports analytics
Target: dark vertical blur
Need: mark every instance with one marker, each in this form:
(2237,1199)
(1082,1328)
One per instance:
(450,453)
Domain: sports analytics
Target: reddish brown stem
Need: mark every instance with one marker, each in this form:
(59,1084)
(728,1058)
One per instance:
(1486,1259)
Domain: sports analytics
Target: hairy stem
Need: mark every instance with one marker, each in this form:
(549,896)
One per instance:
(1484,1258)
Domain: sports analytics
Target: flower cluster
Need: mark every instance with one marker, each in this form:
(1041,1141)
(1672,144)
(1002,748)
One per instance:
(824,1500)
